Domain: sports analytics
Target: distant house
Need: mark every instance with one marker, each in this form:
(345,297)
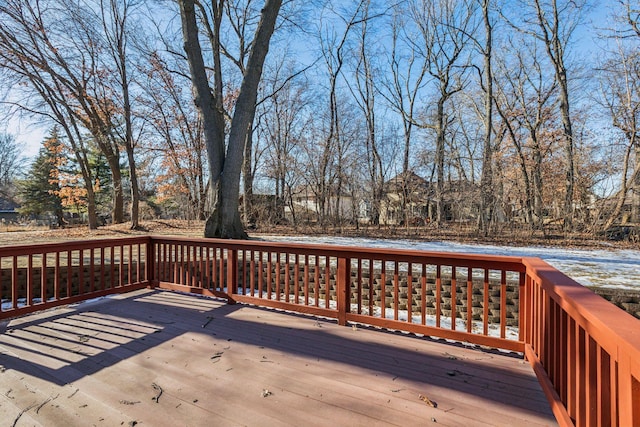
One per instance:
(417,193)
(306,206)
(8,210)
(460,200)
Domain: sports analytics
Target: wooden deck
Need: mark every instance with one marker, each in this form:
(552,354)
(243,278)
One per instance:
(157,358)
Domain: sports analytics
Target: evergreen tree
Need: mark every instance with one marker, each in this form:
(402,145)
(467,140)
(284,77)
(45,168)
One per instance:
(39,192)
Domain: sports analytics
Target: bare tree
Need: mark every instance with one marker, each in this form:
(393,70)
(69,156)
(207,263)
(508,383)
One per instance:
(333,48)
(408,72)
(487,203)
(553,23)
(523,101)
(282,124)
(445,28)
(116,17)
(620,95)
(364,92)
(52,86)
(225,165)
(89,68)
(174,130)
(10,160)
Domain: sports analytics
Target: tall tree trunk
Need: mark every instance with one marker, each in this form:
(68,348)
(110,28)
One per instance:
(247,180)
(486,181)
(635,196)
(569,148)
(538,200)
(439,161)
(549,22)
(135,192)
(117,213)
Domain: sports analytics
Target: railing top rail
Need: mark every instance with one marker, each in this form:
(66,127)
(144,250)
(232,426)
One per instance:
(37,248)
(613,328)
(510,263)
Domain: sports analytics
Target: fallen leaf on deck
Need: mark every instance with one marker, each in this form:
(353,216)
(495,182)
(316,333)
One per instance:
(158,390)
(428,401)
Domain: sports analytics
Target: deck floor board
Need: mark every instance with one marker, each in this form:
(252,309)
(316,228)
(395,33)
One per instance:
(105,362)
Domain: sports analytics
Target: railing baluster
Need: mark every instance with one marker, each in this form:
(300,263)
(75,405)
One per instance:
(121,265)
(56,271)
(296,279)
(130,265)
(317,282)
(454,298)
(396,290)
(269,275)
(14,282)
(112,267)
(438,294)
(81,289)
(485,303)
(214,267)
(92,273)
(306,279)
(287,274)
(327,288)
(69,273)
(503,304)
(29,280)
(469,299)
(359,287)
(372,285)
(423,295)
(409,293)
(261,274)
(221,268)
(43,277)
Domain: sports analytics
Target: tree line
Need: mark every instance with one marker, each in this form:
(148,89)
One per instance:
(181,107)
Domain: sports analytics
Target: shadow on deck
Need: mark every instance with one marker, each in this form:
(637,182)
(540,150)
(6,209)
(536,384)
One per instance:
(164,358)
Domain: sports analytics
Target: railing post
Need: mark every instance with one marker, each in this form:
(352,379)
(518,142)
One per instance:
(232,274)
(150,261)
(342,291)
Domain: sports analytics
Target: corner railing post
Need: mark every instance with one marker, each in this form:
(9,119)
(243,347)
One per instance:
(629,392)
(342,291)
(232,274)
(523,320)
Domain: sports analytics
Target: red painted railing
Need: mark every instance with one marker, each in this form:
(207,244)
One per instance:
(585,351)
(38,277)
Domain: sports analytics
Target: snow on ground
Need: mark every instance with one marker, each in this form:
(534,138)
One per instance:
(612,268)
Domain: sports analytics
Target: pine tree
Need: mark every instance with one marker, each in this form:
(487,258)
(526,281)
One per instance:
(39,192)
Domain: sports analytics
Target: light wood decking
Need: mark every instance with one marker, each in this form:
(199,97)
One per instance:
(157,358)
